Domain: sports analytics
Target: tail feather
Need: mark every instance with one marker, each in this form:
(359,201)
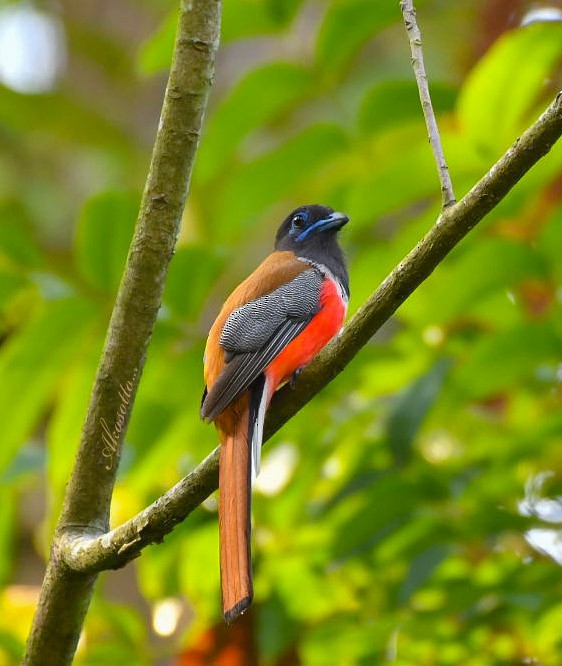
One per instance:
(234,520)
(259,401)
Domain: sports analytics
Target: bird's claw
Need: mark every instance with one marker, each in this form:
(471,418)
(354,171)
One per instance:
(294,377)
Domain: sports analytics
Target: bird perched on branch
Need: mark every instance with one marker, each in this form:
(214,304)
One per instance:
(271,326)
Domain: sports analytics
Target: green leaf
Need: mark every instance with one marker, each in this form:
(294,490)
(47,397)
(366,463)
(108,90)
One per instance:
(350,639)
(155,55)
(66,118)
(277,86)
(241,19)
(10,285)
(158,569)
(201,545)
(7,522)
(17,245)
(124,622)
(502,90)
(65,425)
(29,461)
(275,175)
(347,25)
(107,50)
(11,647)
(245,18)
(550,244)
(192,272)
(421,568)
(502,360)
(366,525)
(304,588)
(277,630)
(398,170)
(462,284)
(103,236)
(375,193)
(166,432)
(411,408)
(31,364)
(395,102)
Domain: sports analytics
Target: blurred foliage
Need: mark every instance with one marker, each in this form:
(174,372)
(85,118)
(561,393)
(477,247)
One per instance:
(389,529)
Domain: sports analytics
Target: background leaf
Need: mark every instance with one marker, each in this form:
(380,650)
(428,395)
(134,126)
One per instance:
(495,104)
(31,366)
(103,235)
(411,408)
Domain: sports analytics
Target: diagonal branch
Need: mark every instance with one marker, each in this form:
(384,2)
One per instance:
(114,549)
(414,36)
(65,595)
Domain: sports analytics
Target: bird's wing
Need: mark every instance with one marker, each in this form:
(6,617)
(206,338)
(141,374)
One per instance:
(254,334)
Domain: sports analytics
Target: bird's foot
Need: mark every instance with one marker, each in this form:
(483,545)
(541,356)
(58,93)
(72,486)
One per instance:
(294,377)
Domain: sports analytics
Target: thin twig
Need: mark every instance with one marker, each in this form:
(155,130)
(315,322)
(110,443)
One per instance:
(65,595)
(125,542)
(414,36)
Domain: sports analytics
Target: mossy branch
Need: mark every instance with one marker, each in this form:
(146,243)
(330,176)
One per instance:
(65,595)
(88,554)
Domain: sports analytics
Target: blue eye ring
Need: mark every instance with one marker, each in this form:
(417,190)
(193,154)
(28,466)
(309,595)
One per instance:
(298,221)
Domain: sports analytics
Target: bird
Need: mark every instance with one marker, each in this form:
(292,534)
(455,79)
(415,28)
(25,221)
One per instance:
(268,329)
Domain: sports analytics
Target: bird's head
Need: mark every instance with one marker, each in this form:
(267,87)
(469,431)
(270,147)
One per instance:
(306,225)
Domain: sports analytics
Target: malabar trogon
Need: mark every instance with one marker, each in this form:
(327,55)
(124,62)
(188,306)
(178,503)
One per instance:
(271,326)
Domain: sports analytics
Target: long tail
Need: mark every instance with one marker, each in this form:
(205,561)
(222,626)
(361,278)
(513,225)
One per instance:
(234,520)
(239,462)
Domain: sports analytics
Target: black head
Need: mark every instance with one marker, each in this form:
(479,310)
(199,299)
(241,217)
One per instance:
(307,224)
(311,233)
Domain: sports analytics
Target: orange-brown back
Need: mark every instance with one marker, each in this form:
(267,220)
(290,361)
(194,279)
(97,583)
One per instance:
(277,269)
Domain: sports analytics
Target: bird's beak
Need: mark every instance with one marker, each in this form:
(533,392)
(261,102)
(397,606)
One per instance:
(334,221)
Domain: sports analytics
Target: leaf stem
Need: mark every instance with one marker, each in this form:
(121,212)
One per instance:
(414,37)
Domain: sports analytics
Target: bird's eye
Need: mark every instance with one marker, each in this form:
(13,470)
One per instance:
(298,221)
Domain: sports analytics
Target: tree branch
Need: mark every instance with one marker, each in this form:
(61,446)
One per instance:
(414,37)
(65,595)
(116,548)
